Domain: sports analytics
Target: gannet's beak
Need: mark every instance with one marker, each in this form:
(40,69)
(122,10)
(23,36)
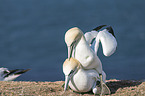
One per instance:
(70,50)
(67,78)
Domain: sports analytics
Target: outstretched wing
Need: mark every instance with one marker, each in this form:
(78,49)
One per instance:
(13,74)
(105,35)
(90,36)
(108,41)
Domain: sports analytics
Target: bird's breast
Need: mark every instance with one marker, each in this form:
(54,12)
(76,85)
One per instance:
(81,81)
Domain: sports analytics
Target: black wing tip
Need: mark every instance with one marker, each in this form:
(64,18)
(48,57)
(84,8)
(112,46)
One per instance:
(99,27)
(16,72)
(12,71)
(110,30)
(22,71)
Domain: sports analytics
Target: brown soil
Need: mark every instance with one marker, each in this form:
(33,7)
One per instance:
(117,87)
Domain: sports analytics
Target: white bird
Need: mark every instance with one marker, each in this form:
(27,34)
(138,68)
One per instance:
(9,75)
(106,37)
(79,48)
(79,79)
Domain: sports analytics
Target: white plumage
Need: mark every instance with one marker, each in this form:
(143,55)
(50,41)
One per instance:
(79,79)
(105,36)
(9,75)
(79,48)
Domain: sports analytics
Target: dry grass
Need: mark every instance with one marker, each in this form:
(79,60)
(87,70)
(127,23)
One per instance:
(117,87)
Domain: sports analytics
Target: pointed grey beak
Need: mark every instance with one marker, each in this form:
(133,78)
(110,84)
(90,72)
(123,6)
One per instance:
(70,50)
(67,78)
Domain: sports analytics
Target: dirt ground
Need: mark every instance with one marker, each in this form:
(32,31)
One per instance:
(117,87)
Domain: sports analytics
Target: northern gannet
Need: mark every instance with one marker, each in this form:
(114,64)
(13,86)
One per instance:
(9,75)
(81,80)
(79,48)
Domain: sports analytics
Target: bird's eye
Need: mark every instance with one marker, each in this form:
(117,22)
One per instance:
(73,43)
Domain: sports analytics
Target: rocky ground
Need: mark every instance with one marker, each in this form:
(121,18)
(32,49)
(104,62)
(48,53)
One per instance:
(117,87)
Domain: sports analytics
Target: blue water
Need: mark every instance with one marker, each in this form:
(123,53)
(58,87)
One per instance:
(32,35)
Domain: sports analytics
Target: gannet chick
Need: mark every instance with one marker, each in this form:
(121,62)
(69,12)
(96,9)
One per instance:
(9,75)
(79,79)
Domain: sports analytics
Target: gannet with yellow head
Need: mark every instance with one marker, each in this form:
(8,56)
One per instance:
(79,79)
(79,48)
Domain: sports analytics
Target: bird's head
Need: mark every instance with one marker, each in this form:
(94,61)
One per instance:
(70,66)
(72,37)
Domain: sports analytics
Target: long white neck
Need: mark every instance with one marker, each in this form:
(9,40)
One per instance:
(86,56)
(82,41)
(82,48)
(81,45)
